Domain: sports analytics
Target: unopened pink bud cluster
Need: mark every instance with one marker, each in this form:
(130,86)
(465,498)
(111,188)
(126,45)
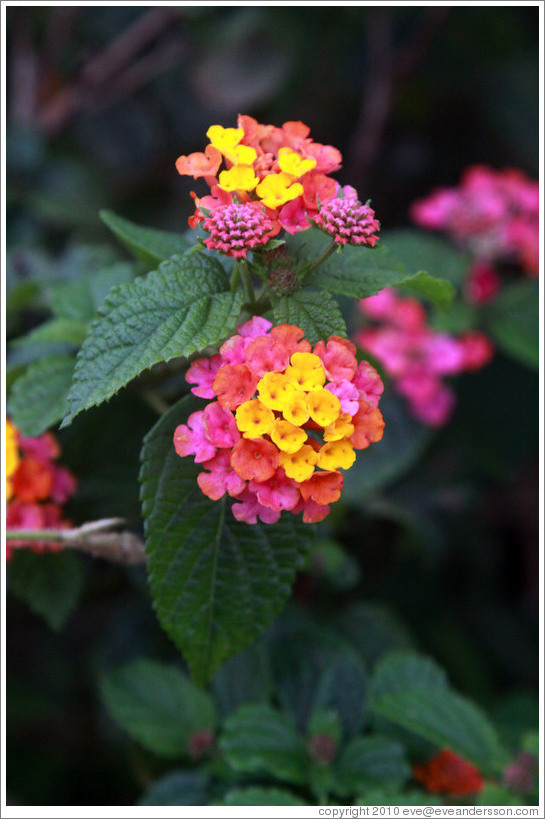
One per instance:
(236,228)
(348,221)
(416,357)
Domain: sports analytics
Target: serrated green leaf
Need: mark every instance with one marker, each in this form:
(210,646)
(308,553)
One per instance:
(148,244)
(177,310)
(158,706)
(184,787)
(421,250)
(262,796)
(216,583)
(56,331)
(50,584)
(318,314)
(38,399)
(412,692)
(370,760)
(402,443)
(512,319)
(258,739)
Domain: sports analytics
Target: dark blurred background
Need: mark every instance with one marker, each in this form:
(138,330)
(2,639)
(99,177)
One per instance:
(101,102)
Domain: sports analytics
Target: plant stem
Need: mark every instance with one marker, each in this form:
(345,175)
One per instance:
(246,278)
(320,260)
(64,534)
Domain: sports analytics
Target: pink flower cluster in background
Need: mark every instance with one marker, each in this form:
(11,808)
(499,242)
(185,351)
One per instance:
(415,356)
(494,214)
(37,487)
(283,420)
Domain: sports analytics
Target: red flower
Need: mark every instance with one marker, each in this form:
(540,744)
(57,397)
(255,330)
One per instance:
(449,773)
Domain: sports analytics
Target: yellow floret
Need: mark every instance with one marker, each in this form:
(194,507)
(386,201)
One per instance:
(306,371)
(295,408)
(293,163)
(278,188)
(341,428)
(287,437)
(324,407)
(299,465)
(12,456)
(224,139)
(254,419)
(336,455)
(275,391)
(238,178)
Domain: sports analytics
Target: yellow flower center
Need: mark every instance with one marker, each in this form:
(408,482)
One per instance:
(299,465)
(278,188)
(275,391)
(288,437)
(306,371)
(254,419)
(238,178)
(336,455)
(294,164)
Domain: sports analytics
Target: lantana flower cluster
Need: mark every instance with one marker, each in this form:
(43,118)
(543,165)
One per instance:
(36,487)
(283,420)
(417,357)
(272,178)
(449,774)
(494,214)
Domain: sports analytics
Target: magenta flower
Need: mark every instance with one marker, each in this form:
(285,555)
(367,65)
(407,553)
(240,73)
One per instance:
(202,373)
(190,439)
(348,221)
(220,478)
(236,228)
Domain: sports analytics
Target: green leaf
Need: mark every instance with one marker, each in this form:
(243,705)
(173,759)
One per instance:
(38,399)
(262,796)
(56,331)
(386,461)
(493,794)
(412,692)
(158,706)
(421,250)
(258,739)
(359,272)
(50,584)
(79,299)
(217,583)
(512,319)
(177,310)
(243,679)
(438,291)
(184,787)
(370,760)
(343,689)
(148,244)
(373,630)
(318,314)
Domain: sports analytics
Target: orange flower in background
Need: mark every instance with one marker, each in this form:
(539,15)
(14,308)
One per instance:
(449,773)
(36,487)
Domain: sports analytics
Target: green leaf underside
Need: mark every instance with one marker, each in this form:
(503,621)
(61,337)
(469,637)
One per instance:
(258,739)
(317,313)
(50,584)
(262,796)
(175,311)
(38,399)
(513,321)
(413,692)
(371,760)
(216,583)
(148,244)
(158,706)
